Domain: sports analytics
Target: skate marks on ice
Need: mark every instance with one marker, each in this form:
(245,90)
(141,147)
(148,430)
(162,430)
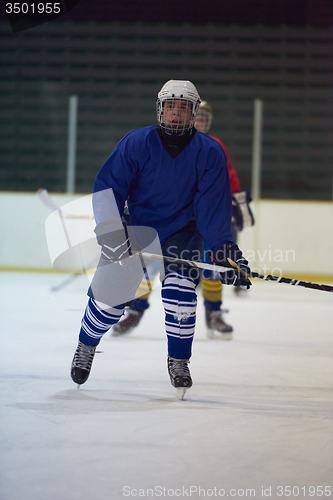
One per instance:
(73,402)
(269,401)
(266,401)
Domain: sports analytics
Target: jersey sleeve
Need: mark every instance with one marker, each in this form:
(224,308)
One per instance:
(213,202)
(113,181)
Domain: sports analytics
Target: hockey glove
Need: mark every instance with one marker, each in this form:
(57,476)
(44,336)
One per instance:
(231,256)
(113,238)
(241,212)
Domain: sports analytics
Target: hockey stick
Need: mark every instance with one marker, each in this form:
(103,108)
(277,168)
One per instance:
(65,282)
(222,269)
(45,197)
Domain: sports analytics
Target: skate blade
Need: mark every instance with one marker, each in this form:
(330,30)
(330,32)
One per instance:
(219,336)
(180,392)
(117,333)
(78,386)
(224,336)
(114,333)
(210,333)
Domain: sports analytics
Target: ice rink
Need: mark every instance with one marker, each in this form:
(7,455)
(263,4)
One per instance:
(258,421)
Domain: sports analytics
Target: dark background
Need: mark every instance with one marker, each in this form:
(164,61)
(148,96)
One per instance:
(269,12)
(116,56)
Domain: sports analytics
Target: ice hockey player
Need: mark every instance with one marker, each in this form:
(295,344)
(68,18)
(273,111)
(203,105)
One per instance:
(241,217)
(175,181)
(210,281)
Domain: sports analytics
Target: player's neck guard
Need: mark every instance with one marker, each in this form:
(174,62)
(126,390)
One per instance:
(177,145)
(175,139)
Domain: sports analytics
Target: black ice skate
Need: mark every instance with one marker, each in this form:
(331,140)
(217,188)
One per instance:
(179,375)
(215,322)
(132,320)
(82,361)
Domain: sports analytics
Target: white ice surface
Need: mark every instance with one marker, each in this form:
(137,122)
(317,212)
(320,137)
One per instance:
(259,414)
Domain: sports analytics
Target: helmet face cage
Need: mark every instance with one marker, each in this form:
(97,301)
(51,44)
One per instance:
(180,112)
(176,106)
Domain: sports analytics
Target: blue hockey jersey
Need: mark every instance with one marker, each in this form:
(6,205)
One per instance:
(164,193)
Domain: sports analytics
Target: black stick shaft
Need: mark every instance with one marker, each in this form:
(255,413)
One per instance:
(219,269)
(293,282)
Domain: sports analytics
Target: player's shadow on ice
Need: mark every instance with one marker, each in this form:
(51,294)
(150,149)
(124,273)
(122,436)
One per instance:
(90,400)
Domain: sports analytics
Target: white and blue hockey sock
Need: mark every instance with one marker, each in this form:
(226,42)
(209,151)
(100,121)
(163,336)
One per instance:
(97,321)
(180,301)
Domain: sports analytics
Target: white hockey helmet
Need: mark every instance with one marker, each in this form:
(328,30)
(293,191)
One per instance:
(178,90)
(204,117)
